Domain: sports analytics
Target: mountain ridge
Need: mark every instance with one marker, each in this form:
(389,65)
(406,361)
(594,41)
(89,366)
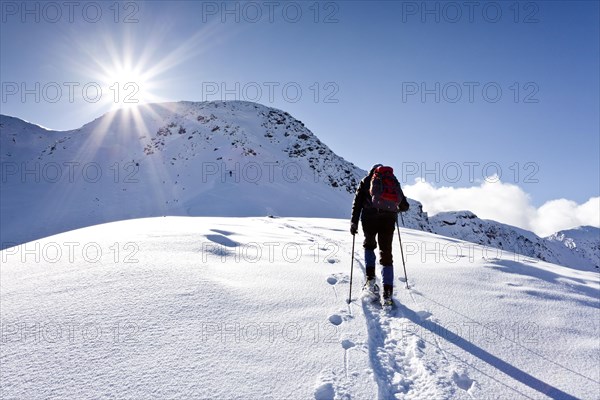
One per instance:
(229,158)
(465,225)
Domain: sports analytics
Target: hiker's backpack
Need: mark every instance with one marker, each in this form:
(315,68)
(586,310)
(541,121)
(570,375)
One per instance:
(385,190)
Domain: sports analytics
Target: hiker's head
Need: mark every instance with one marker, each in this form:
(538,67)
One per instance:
(374,167)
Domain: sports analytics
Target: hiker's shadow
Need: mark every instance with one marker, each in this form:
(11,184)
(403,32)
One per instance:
(471,348)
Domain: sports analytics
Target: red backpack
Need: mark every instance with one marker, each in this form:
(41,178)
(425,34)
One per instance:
(385,190)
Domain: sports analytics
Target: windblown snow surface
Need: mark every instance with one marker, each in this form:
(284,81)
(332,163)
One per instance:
(255,308)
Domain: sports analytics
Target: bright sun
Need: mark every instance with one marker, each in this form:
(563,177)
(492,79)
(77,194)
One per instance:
(126,86)
(128,71)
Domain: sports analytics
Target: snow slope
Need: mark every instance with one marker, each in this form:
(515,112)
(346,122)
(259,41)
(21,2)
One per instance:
(254,308)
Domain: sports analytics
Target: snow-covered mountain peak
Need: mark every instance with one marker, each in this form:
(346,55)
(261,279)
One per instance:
(581,232)
(583,241)
(238,131)
(226,158)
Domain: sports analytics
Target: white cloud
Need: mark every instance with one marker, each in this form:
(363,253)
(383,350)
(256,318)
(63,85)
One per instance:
(565,214)
(506,203)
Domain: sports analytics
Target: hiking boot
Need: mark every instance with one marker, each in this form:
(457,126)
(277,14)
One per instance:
(387,301)
(388,291)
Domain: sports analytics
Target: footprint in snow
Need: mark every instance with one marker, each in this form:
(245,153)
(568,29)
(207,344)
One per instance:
(336,319)
(339,277)
(462,380)
(325,391)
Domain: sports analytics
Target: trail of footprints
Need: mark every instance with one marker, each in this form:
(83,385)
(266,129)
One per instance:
(334,384)
(402,364)
(342,315)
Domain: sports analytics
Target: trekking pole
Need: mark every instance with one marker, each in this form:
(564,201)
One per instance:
(351,269)
(401,249)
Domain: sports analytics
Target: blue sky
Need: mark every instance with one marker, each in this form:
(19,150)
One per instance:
(361,67)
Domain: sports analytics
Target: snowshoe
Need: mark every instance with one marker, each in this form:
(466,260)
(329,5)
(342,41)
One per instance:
(371,289)
(387,301)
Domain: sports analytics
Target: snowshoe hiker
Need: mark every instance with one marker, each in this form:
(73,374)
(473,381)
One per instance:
(377,201)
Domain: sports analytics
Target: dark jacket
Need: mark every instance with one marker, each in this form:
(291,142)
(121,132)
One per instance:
(362,206)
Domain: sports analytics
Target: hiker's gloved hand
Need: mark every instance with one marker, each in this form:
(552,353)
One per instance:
(403,206)
(353,228)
